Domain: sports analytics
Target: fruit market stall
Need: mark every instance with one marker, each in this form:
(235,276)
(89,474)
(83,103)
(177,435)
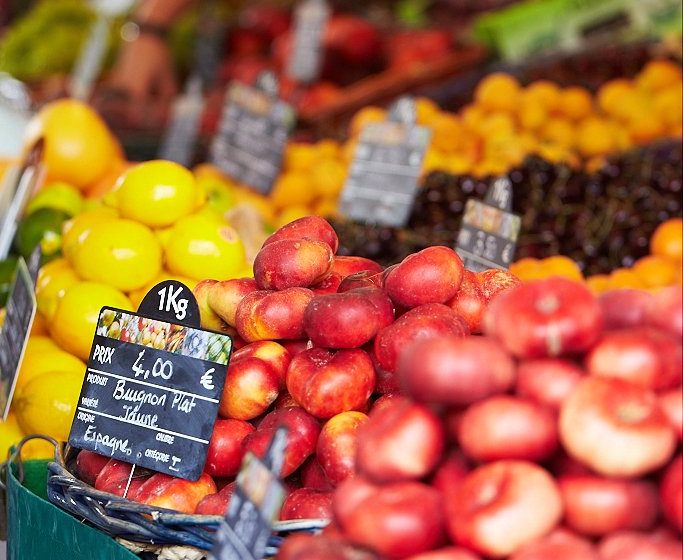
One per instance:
(427,305)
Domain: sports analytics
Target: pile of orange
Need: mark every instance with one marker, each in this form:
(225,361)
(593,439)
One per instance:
(661,268)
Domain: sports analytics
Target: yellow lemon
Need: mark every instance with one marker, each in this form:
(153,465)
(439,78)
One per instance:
(37,449)
(79,148)
(47,403)
(53,280)
(157,193)
(40,343)
(77,229)
(201,246)
(119,252)
(37,363)
(10,435)
(74,322)
(57,195)
(136,296)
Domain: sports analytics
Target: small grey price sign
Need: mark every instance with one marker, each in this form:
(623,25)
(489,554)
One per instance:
(254,506)
(19,315)
(252,135)
(306,59)
(383,179)
(489,231)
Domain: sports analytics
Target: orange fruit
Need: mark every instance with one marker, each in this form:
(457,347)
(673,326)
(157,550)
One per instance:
(329,149)
(472,117)
(560,265)
(644,128)
(326,207)
(365,116)
(79,148)
(668,107)
(658,74)
(655,271)
(546,93)
(611,93)
(598,283)
(427,111)
(300,156)
(496,123)
(446,132)
(527,268)
(595,136)
(498,92)
(667,240)
(559,131)
(532,114)
(625,278)
(292,188)
(327,177)
(291,213)
(576,103)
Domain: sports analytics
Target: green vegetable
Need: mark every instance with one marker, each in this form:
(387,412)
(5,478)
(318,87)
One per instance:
(48,38)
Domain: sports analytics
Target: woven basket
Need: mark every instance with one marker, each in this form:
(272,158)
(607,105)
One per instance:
(168,534)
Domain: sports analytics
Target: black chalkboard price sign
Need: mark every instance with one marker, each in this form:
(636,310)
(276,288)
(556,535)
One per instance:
(252,135)
(152,387)
(383,177)
(19,314)
(489,231)
(254,506)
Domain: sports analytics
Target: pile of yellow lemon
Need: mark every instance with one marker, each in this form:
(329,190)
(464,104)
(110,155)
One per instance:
(155,223)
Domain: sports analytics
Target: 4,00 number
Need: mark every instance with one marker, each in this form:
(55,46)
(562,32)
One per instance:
(161,368)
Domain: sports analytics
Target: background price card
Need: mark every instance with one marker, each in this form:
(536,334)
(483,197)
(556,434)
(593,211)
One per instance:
(151,392)
(489,231)
(383,178)
(307,55)
(19,314)
(254,506)
(252,136)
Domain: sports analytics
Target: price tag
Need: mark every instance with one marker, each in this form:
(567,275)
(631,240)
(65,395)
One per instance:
(252,136)
(152,387)
(489,231)
(306,59)
(19,314)
(384,175)
(254,506)
(180,138)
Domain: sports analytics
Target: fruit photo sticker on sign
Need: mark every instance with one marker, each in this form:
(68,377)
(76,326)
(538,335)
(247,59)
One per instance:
(306,58)
(489,231)
(252,134)
(383,179)
(152,387)
(254,506)
(19,314)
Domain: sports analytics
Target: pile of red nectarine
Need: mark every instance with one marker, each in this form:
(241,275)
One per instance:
(555,436)
(550,436)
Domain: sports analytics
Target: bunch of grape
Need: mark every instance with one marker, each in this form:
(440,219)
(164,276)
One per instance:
(602,220)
